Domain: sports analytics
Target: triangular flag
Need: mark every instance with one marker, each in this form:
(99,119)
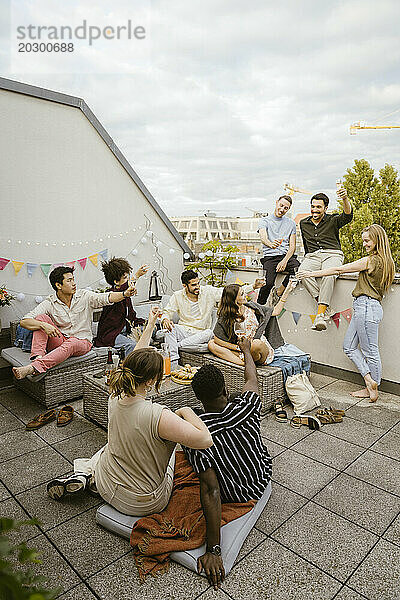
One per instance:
(336,319)
(82,262)
(45,268)
(312,317)
(94,259)
(281,313)
(30,267)
(55,265)
(3,263)
(347,314)
(17,264)
(229,276)
(239,281)
(296,317)
(71,263)
(103,254)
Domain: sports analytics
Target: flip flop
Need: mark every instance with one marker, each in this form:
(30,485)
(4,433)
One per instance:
(333,411)
(65,416)
(40,420)
(329,418)
(61,486)
(312,422)
(280,413)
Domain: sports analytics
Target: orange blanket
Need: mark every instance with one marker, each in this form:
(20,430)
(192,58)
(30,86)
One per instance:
(181,526)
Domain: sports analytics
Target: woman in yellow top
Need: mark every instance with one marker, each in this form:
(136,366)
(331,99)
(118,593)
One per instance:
(376,273)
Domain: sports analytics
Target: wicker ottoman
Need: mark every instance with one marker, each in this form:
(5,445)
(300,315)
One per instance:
(270,379)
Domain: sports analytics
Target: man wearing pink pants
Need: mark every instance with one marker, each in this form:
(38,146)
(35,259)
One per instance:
(62,324)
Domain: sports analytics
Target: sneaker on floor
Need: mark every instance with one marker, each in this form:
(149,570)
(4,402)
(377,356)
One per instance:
(319,323)
(273,297)
(61,486)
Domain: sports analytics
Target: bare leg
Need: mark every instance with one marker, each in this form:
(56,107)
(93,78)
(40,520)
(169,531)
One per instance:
(22,372)
(364,393)
(372,387)
(225,353)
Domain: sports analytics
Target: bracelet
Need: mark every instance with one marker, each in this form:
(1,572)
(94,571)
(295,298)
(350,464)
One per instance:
(283,300)
(123,294)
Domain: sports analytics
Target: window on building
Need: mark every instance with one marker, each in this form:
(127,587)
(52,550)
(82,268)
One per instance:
(202,224)
(213,225)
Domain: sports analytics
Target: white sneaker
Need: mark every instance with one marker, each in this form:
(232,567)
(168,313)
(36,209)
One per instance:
(319,323)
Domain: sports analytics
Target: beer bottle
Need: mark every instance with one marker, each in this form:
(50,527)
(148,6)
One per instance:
(109,366)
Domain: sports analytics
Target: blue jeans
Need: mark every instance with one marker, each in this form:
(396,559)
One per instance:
(122,341)
(363,332)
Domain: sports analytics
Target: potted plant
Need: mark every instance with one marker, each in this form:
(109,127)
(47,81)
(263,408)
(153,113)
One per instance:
(214,262)
(5,298)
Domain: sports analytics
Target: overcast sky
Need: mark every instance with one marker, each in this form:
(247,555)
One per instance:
(226,100)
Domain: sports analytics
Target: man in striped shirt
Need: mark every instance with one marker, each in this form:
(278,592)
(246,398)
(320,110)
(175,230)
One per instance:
(237,468)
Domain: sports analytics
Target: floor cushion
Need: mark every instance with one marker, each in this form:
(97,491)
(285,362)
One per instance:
(233,534)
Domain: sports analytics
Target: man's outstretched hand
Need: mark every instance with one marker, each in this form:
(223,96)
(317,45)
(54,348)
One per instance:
(213,568)
(244,344)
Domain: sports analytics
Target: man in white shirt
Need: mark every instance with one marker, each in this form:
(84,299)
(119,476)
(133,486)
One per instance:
(62,324)
(194,305)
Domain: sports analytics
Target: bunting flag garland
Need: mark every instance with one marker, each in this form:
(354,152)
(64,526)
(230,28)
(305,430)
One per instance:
(45,268)
(103,254)
(3,263)
(82,262)
(70,263)
(281,313)
(57,265)
(312,317)
(17,264)
(347,314)
(229,276)
(336,319)
(239,281)
(296,317)
(31,267)
(94,259)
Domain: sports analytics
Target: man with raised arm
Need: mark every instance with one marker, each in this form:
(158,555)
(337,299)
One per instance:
(62,324)
(237,468)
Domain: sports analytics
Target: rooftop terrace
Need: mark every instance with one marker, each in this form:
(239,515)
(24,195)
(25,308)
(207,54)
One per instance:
(330,530)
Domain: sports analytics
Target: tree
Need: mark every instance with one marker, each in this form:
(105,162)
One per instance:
(217,260)
(374,200)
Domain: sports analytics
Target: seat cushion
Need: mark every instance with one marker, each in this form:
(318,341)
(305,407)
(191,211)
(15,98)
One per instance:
(233,534)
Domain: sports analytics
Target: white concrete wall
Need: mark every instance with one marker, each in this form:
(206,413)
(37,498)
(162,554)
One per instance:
(60,184)
(325,347)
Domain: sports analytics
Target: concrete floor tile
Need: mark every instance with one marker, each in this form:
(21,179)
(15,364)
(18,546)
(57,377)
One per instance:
(380,416)
(378,577)
(319,381)
(8,422)
(329,450)
(16,443)
(356,432)
(254,538)
(389,445)
(87,546)
(281,505)
(10,509)
(212,594)
(310,533)
(56,434)
(282,433)
(272,572)
(120,581)
(57,571)
(348,594)
(80,592)
(52,512)
(3,493)
(378,470)
(338,394)
(359,502)
(393,533)
(24,472)
(273,448)
(83,445)
(20,404)
(301,474)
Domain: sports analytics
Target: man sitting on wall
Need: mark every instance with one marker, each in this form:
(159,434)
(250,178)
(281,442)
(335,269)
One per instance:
(62,324)
(116,319)
(237,468)
(194,305)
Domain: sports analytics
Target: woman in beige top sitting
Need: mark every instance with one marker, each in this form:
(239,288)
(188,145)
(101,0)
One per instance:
(376,273)
(134,472)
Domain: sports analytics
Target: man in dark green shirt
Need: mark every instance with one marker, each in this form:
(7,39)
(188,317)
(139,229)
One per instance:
(320,233)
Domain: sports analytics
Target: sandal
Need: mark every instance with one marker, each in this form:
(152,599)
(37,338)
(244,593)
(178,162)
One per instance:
(280,412)
(58,488)
(328,418)
(40,420)
(331,410)
(65,416)
(299,420)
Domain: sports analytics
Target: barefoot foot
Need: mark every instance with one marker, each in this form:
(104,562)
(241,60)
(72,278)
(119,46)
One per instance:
(373,391)
(364,393)
(22,372)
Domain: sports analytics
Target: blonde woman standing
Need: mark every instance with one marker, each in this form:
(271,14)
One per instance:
(376,273)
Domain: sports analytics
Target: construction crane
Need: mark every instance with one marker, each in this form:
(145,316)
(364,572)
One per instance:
(294,190)
(358,125)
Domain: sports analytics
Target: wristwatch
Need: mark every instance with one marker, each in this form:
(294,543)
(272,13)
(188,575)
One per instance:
(215,550)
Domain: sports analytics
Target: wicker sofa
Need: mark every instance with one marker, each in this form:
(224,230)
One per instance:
(60,384)
(270,379)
